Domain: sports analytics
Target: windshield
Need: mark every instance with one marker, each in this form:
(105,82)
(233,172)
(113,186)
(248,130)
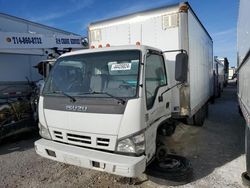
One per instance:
(106,74)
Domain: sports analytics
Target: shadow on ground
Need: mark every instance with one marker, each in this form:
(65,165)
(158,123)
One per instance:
(19,142)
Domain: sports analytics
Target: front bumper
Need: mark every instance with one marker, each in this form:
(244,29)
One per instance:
(122,165)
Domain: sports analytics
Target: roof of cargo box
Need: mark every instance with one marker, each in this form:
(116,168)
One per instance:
(112,48)
(172,7)
(7,16)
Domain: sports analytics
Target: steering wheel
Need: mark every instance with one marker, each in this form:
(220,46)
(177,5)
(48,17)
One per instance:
(73,85)
(125,85)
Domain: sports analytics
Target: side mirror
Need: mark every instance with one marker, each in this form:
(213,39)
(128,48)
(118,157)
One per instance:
(85,42)
(181,67)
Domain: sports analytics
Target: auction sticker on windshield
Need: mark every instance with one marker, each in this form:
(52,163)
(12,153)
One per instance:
(121,66)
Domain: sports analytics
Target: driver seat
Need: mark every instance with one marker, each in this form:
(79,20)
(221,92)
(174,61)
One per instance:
(98,82)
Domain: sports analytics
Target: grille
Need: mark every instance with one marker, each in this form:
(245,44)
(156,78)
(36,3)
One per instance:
(58,134)
(102,141)
(79,138)
(82,140)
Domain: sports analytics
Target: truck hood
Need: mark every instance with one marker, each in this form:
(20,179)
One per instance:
(107,124)
(87,115)
(98,127)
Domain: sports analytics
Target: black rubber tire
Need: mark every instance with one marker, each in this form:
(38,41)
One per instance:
(245,179)
(180,175)
(199,117)
(190,121)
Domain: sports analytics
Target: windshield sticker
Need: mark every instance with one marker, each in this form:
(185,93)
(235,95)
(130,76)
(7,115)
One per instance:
(121,66)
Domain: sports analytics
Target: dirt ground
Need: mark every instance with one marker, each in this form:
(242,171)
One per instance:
(216,151)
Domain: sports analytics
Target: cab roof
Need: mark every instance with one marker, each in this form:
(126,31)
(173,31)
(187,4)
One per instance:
(108,49)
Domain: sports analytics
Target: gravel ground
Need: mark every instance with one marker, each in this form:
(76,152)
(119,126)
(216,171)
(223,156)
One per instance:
(216,151)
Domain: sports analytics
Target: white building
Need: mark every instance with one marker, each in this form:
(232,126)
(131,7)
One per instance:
(23,44)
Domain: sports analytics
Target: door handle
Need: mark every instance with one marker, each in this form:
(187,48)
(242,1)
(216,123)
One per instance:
(160,98)
(167,105)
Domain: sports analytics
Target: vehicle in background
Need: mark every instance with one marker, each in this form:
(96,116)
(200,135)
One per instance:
(243,73)
(22,45)
(225,62)
(219,77)
(109,107)
(231,73)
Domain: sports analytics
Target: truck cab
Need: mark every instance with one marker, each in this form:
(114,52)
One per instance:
(101,108)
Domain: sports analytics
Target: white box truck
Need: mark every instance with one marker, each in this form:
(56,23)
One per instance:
(104,108)
(243,71)
(231,72)
(219,77)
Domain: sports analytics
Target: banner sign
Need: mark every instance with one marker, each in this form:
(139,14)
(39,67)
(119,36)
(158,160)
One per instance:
(28,40)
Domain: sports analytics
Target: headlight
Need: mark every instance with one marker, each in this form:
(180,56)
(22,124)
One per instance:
(134,144)
(44,132)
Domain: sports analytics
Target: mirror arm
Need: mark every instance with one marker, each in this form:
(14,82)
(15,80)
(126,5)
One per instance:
(160,98)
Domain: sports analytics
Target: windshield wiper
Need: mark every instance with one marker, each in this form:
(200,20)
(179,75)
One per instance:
(105,93)
(73,99)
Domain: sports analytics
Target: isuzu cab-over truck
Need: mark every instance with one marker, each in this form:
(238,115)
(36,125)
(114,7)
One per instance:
(103,108)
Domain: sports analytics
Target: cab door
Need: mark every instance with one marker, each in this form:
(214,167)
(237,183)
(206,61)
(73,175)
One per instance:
(158,99)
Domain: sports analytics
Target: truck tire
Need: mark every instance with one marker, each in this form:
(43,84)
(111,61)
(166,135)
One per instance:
(199,117)
(245,179)
(174,170)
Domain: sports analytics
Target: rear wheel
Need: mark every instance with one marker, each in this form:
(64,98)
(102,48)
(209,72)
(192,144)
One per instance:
(199,117)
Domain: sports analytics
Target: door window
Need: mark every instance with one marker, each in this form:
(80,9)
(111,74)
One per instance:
(155,77)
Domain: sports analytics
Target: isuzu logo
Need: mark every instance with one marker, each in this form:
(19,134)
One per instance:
(76,108)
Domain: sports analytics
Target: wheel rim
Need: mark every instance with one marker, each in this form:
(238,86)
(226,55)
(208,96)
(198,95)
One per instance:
(169,163)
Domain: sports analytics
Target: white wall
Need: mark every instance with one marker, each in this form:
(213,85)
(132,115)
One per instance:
(15,67)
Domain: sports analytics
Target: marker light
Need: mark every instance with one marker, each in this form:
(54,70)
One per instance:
(138,43)
(100,46)
(92,46)
(108,45)
(183,8)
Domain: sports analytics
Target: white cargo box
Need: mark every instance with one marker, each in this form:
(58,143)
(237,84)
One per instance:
(167,28)
(243,47)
